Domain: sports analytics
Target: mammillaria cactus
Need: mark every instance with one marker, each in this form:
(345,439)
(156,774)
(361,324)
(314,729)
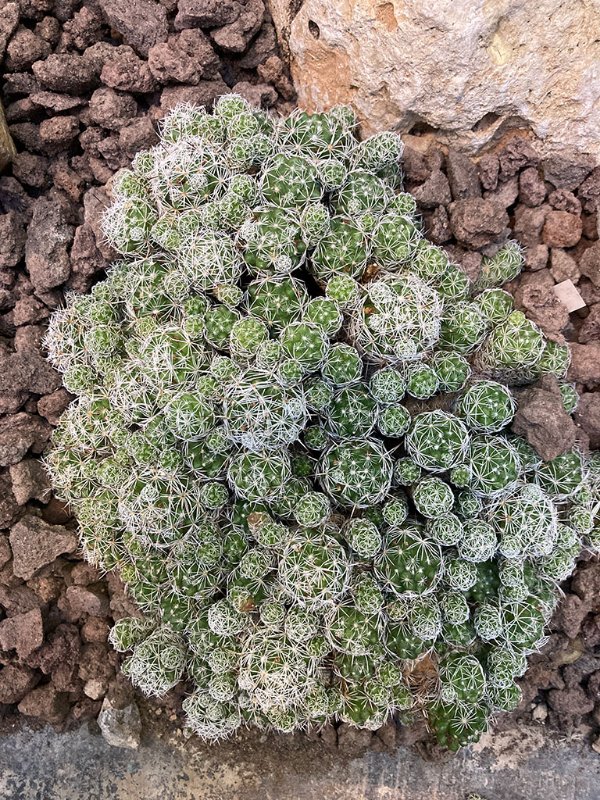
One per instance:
(251,448)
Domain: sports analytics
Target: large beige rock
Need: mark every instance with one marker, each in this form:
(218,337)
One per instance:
(7,147)
(471,68)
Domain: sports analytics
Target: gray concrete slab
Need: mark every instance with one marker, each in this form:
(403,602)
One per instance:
(520,764)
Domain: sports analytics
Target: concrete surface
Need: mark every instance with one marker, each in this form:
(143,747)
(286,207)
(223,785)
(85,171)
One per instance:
(520,764)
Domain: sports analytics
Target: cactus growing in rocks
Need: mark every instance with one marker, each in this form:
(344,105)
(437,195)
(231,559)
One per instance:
(251,448)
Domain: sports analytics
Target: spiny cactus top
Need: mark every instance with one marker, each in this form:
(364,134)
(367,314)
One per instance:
(279,442)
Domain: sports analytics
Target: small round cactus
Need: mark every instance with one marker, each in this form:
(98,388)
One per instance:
(290,437)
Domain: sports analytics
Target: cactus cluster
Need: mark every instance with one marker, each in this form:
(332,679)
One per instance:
(250,448)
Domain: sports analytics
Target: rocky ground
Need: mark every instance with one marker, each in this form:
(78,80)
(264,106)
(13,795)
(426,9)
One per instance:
(84,85)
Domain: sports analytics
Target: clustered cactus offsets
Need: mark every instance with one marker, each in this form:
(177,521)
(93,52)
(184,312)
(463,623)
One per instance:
(308,541)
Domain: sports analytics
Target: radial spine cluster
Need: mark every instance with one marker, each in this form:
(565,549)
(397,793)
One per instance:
(306,539)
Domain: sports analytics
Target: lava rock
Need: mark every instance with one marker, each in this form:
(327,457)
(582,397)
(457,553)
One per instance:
(23,633)
(46,250)
(562,229)
(111,109)
(141,23)
(587,416)
(585,364)
(567,171)
(65,72)
(235,36)
(563,267)
(435,191)
(462,176)
(30,480)
(589,264)
(532,189)
(18,433)
(185,58)
(206,13)
(127,72)
(590,330)
(46,704)
(35,544)
(12,239)
(542,420)
(16,681)
(476,222)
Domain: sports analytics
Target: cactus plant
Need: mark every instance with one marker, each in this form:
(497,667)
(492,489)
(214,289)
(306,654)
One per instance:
(251,449)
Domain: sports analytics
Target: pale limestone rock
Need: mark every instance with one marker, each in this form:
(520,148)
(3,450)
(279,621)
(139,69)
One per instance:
(470,69)
(7,147)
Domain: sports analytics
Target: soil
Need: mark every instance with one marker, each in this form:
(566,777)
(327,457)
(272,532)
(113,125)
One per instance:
(84,85)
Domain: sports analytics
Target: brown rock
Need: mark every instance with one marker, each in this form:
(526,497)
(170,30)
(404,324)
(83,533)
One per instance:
(562,229)
(24,48)
(31,169)
(30,480)
(205,13)
(585,364)
(435,191)
(185,58)
(515,155)
(85,28)
(8,510)
(543,307)
(528,224)
(587,416)
(261,95)
(141,23)
(262,47)
(437,226)
(570,614)
(570,702)
(567,171)
(273,71)
(488,167)
(62,646)
(95,629)
(416,169)
(235,36)
(477,222)
(9,20)
(462,176)
(59,132)
(505,193)
(589,192)
(97,662)
(589,264)
(590,330)
(536,257)
(12,239)
(15,682)
(140,134)
(56,103)
(543,421)
(65,72)
(124,70)
(18,433)
(35,544)
(46,704)
(23,633)
(563,266)
(46,250)
(564,200)
(532,190)
(87,601)
(111,109)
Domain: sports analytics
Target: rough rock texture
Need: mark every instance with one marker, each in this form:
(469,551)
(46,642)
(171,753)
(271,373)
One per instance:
(35,544)
(121,727)
(493,65)
(7,147)
(542,420)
